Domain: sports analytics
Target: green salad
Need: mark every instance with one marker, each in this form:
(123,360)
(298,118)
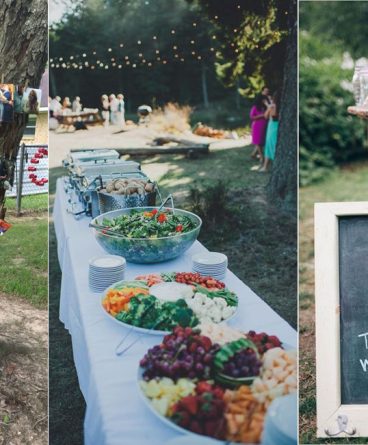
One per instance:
(152,224)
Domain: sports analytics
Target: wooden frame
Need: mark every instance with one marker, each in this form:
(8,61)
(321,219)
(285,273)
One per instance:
(330,411)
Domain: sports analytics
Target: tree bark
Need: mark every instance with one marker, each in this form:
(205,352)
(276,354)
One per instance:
(204,86)
(283,185)
(23,57)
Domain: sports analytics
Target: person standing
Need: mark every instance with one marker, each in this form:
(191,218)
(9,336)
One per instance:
(76,105)
(105,109)
(18,99)
(31,104)
(114,105)
(259,125)
(272,132)
(55,106)
(66,106)
(121,110)
(7,103)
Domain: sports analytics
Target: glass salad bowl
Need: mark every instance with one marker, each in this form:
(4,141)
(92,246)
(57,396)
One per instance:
(144,250)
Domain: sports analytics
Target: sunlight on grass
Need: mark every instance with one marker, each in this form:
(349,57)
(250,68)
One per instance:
(24,258)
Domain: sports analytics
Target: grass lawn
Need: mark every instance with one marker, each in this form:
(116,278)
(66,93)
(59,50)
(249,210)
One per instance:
(259,242)
(24,252)
(346,184)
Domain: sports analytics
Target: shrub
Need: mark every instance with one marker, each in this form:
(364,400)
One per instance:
(328,134)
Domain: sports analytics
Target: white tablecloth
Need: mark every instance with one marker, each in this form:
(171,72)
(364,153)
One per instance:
(116,415)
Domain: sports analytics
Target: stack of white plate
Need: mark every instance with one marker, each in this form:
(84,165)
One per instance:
(105,270)
(212,264)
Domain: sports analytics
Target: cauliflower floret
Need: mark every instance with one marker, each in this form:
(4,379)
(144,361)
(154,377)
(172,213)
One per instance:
(220,302)
(216,314)
(227,312)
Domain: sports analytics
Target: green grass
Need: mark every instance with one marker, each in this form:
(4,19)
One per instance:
(24,259)
(346,184)
(29,203)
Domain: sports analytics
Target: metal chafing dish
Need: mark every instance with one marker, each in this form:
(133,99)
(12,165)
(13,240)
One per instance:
(88,175)
(89,155)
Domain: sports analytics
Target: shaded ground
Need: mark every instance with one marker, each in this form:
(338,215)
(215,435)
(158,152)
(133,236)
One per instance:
(23,373)
(346,184)
(259,241)
(66,403)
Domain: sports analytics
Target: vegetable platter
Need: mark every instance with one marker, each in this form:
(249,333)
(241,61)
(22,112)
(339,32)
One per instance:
(156,303)
(215,381)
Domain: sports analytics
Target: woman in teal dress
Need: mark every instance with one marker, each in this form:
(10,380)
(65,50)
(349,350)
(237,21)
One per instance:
(271,134)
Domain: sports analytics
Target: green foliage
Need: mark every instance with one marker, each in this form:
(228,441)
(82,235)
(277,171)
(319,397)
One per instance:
(342,22)
(328,134)
(253,38)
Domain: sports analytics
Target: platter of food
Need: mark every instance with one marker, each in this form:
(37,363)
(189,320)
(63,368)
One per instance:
(146,234)
(182,380)
(156,303)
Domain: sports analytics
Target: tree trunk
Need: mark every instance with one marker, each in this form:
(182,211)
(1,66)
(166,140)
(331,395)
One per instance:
(23,57)
(204,86)
(283,185)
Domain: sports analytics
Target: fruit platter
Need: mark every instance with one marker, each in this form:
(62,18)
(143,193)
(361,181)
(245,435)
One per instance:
(156,303)
(146,234)
(215,381)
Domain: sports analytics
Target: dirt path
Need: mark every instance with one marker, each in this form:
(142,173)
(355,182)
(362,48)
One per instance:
(23,373)
(99,137)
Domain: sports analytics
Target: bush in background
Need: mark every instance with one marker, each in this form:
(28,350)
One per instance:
(328,134)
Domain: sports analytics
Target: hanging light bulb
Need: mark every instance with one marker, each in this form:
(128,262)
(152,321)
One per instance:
(109,50)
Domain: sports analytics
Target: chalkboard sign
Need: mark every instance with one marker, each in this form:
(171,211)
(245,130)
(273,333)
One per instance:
(353,272)
(341,294)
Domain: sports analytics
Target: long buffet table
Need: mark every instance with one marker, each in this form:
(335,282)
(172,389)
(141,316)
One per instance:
(116,414)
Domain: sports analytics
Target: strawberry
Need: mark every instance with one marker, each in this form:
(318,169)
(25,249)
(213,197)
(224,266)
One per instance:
(183,419)
(190,404)
(206,343)
(195,427)
(275,340)
(211,428)
(203,387)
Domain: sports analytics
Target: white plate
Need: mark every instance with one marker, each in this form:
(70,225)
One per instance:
(209,258)
(218,270)
(107,261)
